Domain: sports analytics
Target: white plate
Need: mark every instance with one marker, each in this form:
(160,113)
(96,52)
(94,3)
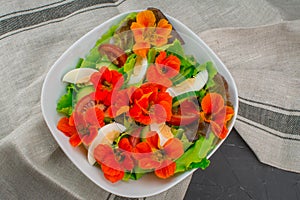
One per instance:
(53,88)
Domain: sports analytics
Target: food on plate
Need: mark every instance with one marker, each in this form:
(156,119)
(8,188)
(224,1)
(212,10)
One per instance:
(139,104)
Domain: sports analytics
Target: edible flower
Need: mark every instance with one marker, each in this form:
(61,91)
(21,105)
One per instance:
(150,103)
(120,101)
(216,113)
(114,162)
(149,156)
(65,125)
(83,124)
(88,123)
(165,68)
(147,33)
(105,82)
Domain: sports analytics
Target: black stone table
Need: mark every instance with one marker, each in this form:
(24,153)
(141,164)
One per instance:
(235,173)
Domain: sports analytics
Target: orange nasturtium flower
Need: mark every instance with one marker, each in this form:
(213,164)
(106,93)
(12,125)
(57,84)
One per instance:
(165,67)
(114,162)
(150,103)
(150,157)
(147,33)
(215,112)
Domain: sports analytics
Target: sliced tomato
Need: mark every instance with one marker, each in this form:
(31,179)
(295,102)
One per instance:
(88,102)
(84,104)
(186,113)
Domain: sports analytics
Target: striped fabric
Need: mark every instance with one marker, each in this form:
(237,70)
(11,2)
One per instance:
(263,57)
(265,64)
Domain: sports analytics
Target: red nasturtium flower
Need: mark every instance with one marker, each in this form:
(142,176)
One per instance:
(150,103)
(114,162)
(120,101)
(67,127)
(165,67)
(150,157)
(215,112)
(147,33)
(83,124)
(186,113)
(105,82)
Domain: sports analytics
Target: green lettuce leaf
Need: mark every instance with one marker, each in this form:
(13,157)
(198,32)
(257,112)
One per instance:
(88,64)
(203,164)
(212,71)
(151,55)
(64,104)
(179,133)
(78,65)
(195,154)
(174,48)
(93,55)
(130,62)
(136,174)
(110,32)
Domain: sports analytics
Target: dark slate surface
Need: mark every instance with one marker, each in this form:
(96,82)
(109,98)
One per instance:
(235,173)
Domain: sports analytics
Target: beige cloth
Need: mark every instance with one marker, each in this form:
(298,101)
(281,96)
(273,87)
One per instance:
(265,64)
(33,34)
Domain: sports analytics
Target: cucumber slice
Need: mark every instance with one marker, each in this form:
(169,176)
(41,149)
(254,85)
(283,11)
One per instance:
(83,92)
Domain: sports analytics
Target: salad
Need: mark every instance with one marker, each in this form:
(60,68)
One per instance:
(139,104)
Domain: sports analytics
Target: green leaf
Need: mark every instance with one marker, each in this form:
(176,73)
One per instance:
(78,65)
(203,164)
(110,32)
(185,141)
(117,140)
(88,64)
(93,55)
(176,48)
(129,64)
(199,68)
(202,94)
(128,67)
(139,172)
(151,55)
(64,104)
(138,175)
(187,62)
(188,73)
(179,133)
(109,65)
(212,71)
(127,176)
(206,146)
(195,153)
